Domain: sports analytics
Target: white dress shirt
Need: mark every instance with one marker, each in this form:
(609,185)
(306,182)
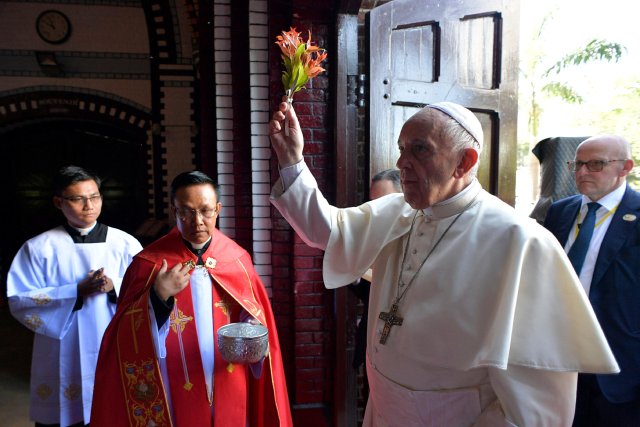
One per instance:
(608,206)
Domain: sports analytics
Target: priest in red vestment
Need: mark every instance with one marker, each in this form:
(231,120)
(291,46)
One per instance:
(159,364)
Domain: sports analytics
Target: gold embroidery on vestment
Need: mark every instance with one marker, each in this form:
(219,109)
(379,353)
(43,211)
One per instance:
(225,305)
(145,403)
(179,320)
(136,320)
(254,310)
(41,299)
(33,321)
(72,391)
(43,391)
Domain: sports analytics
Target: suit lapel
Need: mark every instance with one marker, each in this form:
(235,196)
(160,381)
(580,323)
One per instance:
(566,218)
(619,231)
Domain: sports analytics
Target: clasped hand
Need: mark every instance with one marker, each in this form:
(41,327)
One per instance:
(170,282)
(95,282)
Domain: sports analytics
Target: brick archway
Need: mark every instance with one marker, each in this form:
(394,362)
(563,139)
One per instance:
(45,102)
(42,130)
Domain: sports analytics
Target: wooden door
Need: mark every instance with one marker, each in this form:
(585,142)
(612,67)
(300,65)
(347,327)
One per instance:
(464,51)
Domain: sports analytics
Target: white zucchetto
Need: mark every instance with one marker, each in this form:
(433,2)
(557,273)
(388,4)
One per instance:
(463,116)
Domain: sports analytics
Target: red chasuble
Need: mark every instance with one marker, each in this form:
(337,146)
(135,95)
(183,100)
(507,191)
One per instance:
(129,389)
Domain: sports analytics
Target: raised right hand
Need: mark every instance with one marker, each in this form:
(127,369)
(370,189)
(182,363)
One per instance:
(287,148)
(169,282)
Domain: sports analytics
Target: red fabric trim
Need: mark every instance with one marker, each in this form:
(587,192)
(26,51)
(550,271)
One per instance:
(234,277)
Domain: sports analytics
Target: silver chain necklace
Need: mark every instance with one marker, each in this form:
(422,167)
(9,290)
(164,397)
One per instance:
(392,318)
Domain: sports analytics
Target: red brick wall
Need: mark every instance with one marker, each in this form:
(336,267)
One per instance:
(299,291)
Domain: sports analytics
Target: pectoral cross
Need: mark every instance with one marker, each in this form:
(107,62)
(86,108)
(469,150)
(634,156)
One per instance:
(390,319)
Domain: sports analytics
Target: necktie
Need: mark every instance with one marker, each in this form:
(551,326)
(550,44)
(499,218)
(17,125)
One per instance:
(578,250)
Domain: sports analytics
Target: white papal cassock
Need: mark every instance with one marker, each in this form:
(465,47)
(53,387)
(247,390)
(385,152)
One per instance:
(42,287)
(495,325)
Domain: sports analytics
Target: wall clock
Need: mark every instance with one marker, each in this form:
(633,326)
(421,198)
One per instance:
(53,26)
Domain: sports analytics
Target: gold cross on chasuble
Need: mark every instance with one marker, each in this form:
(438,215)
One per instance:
(390,320)
(178,321)
(135,323)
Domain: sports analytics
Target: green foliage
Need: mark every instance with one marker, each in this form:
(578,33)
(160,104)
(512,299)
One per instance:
(563,91)
(622,120)
(294,77)
(545,78)
(540,77)
(595,50)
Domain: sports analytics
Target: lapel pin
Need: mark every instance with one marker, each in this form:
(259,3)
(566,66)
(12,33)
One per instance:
(629,217)
(190,263)
(210,263)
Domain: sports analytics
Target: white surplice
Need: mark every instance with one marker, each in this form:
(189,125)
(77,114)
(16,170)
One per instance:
(495,325)
(42,290)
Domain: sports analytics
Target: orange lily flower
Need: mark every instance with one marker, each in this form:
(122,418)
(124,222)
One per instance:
(289,42)
(312,65)
(301,60)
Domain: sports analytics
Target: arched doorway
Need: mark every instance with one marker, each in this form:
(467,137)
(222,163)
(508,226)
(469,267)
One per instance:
(32,152)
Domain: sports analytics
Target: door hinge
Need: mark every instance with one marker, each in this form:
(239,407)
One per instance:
(356,90)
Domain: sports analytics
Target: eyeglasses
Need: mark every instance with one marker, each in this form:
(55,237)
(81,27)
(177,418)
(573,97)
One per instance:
(592,165)
(186,213)
(82,200)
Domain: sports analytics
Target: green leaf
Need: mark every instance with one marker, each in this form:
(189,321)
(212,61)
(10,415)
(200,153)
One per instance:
(299,51)
(300,77)
(563,91)
(304,78)
(595,50)
(287,62)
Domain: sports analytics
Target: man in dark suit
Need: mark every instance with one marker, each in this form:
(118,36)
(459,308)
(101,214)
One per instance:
(600,230)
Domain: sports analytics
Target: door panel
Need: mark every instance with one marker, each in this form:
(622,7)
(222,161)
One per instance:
(426,51)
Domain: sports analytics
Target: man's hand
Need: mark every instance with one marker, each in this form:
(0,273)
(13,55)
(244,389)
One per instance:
(169,282)
(287,148)
(106,282)
(96,281)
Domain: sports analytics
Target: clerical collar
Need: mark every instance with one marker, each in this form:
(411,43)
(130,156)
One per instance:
(456,204)
(198,249)
(97,233)
(610,201)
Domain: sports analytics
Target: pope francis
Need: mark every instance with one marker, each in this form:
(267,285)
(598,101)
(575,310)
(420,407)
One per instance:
(476,316)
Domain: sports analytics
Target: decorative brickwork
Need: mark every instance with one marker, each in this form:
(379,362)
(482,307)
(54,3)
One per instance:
(295,265)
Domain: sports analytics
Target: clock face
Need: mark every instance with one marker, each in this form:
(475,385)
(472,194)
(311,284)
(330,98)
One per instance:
(53,26)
